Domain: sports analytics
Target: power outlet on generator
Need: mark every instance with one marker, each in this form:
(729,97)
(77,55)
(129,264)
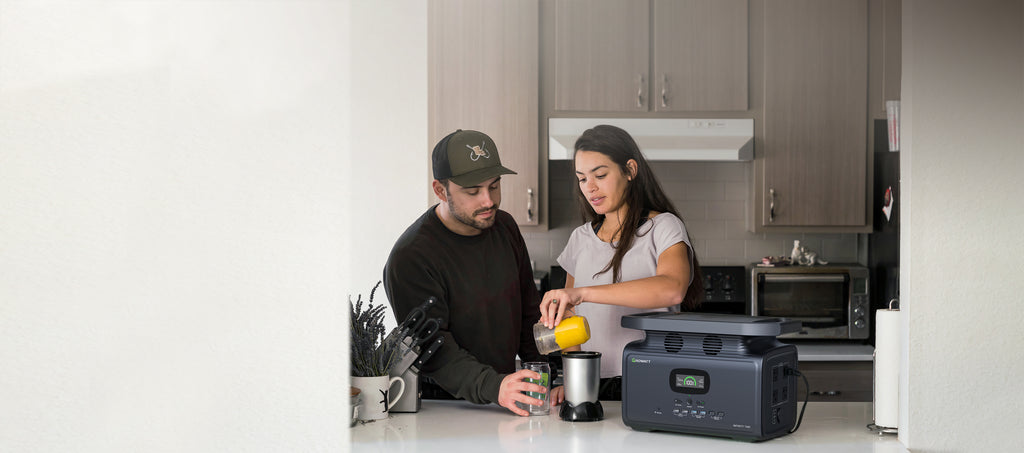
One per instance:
(780,385)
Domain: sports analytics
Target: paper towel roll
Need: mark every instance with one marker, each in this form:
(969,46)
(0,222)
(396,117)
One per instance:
(887,368)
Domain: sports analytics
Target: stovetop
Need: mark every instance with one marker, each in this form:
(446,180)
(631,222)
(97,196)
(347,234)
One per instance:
(725,288)
(724,283)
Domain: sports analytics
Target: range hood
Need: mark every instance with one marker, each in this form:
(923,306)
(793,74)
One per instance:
(691,139)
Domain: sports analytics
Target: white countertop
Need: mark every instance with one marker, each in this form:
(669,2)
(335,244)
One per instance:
(455,426)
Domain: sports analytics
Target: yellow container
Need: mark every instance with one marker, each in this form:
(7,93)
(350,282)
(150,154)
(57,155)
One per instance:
(570,332)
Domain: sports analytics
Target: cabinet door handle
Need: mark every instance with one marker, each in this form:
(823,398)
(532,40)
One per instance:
(771,205)
(529,204)
(664,88)
(640,92)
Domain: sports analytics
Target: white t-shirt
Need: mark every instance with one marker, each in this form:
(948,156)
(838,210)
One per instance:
(586,254)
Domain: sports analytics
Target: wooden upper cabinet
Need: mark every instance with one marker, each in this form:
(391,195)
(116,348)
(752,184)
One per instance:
(815,118)
(603,53)
(483,74)
(700,55)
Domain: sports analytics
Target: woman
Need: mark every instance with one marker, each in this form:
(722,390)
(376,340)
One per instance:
(633,254)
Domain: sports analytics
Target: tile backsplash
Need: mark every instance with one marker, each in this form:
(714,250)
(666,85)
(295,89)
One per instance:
(712,199)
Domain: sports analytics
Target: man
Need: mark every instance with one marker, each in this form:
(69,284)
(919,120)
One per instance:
(472,258)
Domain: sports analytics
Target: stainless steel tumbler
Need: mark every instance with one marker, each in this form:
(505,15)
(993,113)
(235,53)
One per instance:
(582,376)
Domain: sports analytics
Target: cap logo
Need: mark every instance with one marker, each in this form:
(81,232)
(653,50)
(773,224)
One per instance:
(476,152)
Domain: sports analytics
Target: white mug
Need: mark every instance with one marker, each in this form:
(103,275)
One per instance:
(376,395)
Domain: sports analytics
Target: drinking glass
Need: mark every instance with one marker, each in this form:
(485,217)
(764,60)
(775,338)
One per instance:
(544,369)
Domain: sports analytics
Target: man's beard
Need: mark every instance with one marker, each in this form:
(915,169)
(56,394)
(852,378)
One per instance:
(471,220)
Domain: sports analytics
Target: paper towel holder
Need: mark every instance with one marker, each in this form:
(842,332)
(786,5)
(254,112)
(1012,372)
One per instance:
(881,430)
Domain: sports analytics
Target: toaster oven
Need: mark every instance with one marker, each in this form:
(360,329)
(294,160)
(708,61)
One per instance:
(830,301)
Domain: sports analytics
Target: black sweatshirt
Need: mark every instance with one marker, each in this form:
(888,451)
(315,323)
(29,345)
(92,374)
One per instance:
(486,299)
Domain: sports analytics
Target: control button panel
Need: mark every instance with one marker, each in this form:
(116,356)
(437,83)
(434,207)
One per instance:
(860,311)
(696,409)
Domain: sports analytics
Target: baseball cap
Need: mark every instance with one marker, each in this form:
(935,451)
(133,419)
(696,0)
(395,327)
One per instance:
(467,158)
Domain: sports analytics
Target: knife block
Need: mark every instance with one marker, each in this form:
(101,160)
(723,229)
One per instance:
(410,400)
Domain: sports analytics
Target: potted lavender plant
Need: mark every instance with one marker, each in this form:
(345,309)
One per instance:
(371,358)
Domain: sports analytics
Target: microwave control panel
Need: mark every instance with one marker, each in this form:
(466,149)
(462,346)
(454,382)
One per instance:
(859,307)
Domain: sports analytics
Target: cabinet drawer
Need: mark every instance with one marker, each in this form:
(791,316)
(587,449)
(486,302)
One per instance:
(836,381)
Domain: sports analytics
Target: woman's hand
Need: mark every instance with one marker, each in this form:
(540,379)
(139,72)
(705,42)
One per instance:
(556,303)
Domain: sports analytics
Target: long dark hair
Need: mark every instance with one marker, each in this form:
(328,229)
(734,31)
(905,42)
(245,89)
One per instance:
(643,194)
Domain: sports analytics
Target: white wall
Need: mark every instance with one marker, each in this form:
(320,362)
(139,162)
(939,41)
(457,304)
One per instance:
(389,133)
(173,209)
(962,247)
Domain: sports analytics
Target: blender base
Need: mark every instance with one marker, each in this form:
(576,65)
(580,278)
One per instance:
(584,412)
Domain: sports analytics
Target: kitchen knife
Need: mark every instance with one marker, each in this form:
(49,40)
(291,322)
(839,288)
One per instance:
(426,354)
(413,345)
(406,356)
(412,322)
(423,333)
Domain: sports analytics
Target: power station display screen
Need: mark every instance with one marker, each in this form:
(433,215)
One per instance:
(689,381)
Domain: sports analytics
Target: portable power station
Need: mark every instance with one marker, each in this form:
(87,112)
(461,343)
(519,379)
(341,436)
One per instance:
(710,374)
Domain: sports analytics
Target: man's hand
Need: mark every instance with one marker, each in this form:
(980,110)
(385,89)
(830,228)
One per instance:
(513,384)
(557,395)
